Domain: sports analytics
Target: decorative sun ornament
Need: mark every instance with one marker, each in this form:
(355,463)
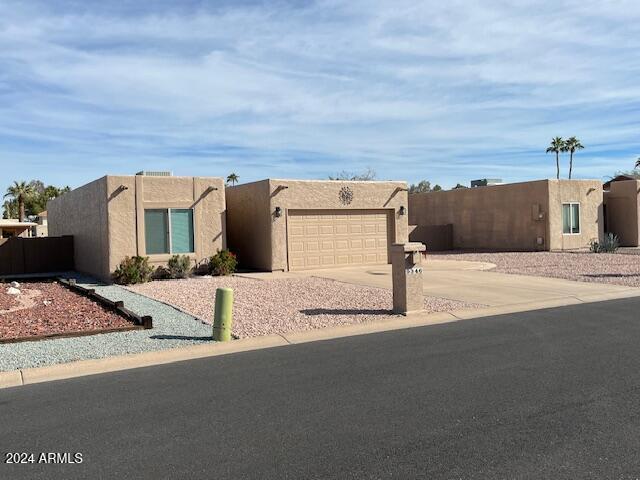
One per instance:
(345,195)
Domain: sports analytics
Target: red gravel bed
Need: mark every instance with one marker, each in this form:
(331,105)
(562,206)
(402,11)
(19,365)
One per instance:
(6,301)
(608,268)
(263,307)
(54,309)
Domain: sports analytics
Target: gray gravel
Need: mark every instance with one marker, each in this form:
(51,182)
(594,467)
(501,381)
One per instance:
(171,329)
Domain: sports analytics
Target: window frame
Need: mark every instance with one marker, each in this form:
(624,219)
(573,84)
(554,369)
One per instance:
(572,218)
(169,232)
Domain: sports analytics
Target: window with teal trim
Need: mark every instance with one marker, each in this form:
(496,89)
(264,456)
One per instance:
(168,231)
(156,228)
(181,230)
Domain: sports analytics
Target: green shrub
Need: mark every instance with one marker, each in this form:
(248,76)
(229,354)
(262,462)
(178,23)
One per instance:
(133,270)
(610,243)
(223,263)
(179,266)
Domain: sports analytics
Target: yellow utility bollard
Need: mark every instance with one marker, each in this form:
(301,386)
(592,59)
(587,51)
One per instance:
(223,316)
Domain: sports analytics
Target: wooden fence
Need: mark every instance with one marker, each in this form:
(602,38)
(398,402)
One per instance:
(23,256)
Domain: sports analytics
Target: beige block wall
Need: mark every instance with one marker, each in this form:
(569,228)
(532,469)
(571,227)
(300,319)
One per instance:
(126,213)
(260,239)
(622,211)
(82,213)
(323,195)
(508,217)
(106,218)
(249,224)
(589,194)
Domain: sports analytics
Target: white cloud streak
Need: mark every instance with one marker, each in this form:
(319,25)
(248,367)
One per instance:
(439,90)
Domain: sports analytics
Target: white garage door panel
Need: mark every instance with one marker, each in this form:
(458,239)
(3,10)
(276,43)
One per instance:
(319,239)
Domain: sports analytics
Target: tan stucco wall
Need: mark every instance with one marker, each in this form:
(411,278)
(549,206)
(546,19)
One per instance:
(493,217)
(589,194)
(260,238)
(82,213)
(249,224)
(513,216)
(126,213)
(107,221)
(323,195)
(622,211)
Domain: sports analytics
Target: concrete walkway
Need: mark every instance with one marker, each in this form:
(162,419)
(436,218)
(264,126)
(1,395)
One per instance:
(471,282)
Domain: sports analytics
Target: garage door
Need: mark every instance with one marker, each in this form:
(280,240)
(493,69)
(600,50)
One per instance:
(326,238)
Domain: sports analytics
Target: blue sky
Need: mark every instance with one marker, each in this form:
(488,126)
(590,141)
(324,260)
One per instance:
(445,91)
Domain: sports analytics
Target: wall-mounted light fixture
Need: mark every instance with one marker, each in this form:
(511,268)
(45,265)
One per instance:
(277,212)
(402,210)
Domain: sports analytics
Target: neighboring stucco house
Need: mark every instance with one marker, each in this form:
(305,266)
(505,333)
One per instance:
(304,224)
(621,202)
(155,216)
(41,229)
(536,215)
(14,228)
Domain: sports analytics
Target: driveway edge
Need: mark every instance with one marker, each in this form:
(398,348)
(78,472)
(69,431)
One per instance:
(82,368)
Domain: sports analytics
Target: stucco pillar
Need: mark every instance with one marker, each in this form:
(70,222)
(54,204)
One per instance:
(406,266)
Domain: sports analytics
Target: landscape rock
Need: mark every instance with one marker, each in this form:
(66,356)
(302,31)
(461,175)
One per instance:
(15,284)
(13,291)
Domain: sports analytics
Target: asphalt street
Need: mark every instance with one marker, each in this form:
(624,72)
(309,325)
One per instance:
(547,394)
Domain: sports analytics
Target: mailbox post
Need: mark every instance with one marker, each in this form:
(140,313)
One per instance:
(406,266)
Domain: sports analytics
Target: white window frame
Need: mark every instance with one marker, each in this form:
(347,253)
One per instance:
(572,219)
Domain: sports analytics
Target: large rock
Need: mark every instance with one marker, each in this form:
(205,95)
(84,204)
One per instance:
(13,291)
(15,284)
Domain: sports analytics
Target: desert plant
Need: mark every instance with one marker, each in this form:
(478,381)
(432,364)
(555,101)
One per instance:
(233,178)
(223,262)
(179,266)
(20,191)
(610,243)
(557,146)
(133,270)
(571,145)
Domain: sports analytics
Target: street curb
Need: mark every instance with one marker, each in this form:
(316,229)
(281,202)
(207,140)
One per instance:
(82,368)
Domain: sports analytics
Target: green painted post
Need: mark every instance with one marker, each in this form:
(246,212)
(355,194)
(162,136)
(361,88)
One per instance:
(223,317)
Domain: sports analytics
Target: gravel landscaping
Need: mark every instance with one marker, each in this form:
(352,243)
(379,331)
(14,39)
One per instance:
(6,301)
(171,329)
(264,307)
(581,266)
(261,307)
(44,308)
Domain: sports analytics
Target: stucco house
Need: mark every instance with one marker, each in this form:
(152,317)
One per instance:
(144,214)
(41,229)
(15,228)
(622,207)
(536,215)
(287,225)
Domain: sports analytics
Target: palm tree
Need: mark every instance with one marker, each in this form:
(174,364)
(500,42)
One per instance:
(557,146)
(232,178)
(19,192)
(571,145)
(638,163)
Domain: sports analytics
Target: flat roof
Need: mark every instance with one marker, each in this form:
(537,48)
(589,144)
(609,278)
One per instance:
(15,223)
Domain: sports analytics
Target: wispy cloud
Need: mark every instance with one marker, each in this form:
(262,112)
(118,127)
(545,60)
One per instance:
(446,91)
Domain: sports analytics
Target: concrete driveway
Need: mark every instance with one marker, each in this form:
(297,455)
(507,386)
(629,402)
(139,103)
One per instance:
(471,282)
